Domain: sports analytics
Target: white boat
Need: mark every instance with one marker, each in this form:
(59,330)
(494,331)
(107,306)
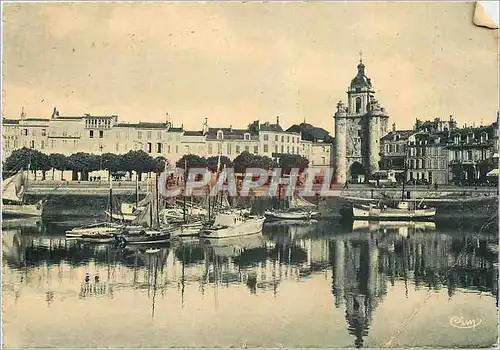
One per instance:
(402,211)
(96,238)
(290,214)
(13,205)
(233,224)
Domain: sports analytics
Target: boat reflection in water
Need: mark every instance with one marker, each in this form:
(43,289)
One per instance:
(359,269)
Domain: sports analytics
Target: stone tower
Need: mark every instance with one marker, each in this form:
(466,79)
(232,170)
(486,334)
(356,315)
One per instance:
(358,129)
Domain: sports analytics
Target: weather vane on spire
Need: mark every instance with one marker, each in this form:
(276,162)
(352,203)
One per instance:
(360,56)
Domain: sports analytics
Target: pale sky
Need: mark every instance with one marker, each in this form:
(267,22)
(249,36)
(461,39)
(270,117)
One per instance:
(237,62)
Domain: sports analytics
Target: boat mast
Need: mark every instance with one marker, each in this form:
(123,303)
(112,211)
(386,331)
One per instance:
(184,194)
(405,171)
(157,212)
(136,191)
(110,198)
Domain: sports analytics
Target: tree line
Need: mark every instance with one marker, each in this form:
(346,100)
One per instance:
(137,161)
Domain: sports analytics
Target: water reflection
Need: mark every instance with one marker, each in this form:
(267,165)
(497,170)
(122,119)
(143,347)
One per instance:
(362,260)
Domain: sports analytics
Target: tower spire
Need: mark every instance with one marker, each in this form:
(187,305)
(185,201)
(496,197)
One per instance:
(360,56)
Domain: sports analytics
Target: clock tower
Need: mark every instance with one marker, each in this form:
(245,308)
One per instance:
(358,129)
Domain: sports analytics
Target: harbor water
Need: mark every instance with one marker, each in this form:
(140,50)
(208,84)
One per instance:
(318,284)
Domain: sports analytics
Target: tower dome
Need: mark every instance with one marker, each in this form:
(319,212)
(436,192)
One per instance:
(361,81)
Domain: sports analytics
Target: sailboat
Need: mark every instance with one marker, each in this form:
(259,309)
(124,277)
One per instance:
(13,204)
(99,232)
(148,229)
(299,209)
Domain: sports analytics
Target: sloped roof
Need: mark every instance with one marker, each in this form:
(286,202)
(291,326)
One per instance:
(310,132)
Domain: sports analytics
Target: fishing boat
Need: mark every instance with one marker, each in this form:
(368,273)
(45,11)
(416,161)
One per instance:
(233,224)
(401,211)
(13,203)
(299,209)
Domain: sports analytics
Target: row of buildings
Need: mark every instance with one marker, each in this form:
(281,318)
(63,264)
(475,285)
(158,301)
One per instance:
(435,151)
(105,134)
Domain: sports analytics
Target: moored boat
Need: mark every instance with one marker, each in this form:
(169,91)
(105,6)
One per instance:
(95,229)
(232,224)
(145,236)
(13,204)
(401,211)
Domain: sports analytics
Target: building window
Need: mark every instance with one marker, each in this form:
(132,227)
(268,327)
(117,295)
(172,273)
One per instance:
(266,148)
(219,148)
(149,147)
(247,148)
(228,148)
(256,150)
(158,147)
(275,148)
(24,132)
(237,149)
(266,137)
(158,135)
(276,138)
(288,139)
(282,138)
(139,135)
(117,147)
(220,135)
(358,104)
(247,137)
(42,146)
(44,132)
(91,134)
(149,135)
(101,134)
(168,148)
(282,149)
(287,149)
(293,139)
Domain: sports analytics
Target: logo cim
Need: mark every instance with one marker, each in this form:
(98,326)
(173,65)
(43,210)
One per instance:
(462,323)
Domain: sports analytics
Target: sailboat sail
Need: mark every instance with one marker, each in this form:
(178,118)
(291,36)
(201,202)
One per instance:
(13,188)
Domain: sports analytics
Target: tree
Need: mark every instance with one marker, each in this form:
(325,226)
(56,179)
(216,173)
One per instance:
(138,161)
(246,160)
(111,162)
(84,163)
(192,161)
(40,161)
(19,159)
(25,158)
(160,163)
(290,161)
(212,162)
(60,162)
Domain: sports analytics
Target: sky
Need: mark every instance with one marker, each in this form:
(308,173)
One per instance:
(237,62)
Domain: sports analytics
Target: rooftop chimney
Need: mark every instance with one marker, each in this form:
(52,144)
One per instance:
(54,113)
(393,126)
(278,120)
(22,113)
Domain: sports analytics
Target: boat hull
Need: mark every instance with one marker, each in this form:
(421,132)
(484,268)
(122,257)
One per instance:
(96,238)
(392,214)
(22,210)
(248,227)
(152,237)
(276,215)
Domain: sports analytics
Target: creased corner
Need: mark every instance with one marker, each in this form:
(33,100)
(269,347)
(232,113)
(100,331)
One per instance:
(486,14)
